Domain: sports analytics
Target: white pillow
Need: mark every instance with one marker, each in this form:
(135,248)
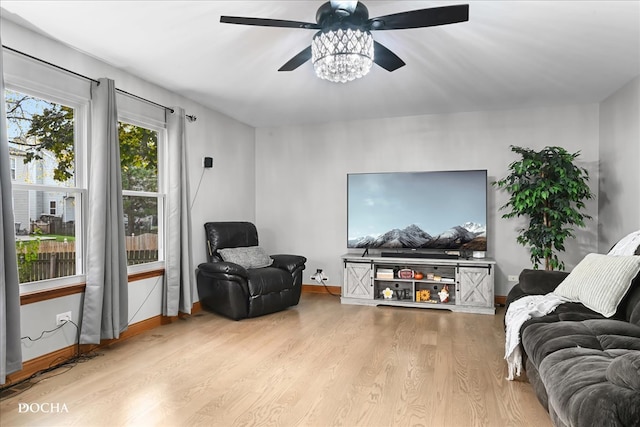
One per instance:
(248,257)
(600,282)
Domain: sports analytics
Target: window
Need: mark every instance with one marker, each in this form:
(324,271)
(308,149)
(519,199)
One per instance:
(47,111)
(44,135)
(13,162)
(142,201)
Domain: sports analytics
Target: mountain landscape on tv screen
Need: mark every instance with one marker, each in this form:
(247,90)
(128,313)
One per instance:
(468,236)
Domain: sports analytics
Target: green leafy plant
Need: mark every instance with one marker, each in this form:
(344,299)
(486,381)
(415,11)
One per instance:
(27,252)
(547,187)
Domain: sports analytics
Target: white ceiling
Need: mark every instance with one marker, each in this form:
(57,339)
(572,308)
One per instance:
(511,54)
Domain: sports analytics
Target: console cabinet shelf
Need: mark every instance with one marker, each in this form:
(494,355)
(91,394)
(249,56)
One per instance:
(469,283)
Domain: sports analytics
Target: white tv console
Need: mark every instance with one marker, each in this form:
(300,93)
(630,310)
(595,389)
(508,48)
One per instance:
(470,282)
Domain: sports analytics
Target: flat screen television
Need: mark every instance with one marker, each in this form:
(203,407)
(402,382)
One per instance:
(430,211)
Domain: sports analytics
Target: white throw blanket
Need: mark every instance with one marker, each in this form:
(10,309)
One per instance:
(519,312)
(627,246)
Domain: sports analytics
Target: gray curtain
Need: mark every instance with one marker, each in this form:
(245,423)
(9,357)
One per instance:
(10,347)
(179,273)
(106,297)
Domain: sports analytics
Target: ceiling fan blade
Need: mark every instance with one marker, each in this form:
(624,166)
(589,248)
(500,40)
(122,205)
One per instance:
(297,60)
(421,18)
(263,22)
(385,58)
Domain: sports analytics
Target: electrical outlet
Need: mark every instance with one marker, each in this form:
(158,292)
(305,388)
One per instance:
(512,278)
(319,276)
(63,317)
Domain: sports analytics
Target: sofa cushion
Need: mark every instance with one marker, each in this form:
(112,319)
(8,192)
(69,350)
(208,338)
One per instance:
(600,281)
(625,371)
(540,282)
(580,392)
(542,339)
(248,257)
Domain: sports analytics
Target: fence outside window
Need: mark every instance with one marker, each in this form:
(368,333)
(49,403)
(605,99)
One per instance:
(45,259)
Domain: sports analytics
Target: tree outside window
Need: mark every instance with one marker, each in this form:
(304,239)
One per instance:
(141,199)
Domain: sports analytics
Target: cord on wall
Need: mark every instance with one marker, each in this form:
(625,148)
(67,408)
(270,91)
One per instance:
(195,196)
(145,300)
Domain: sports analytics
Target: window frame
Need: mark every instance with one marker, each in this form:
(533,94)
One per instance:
(81,107)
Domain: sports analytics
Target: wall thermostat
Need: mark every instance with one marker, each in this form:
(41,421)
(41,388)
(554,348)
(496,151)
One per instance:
(207,162)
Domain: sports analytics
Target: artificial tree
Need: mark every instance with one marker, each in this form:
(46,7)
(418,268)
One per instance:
(547,187)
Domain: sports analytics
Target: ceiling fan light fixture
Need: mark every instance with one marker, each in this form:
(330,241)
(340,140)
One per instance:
(342,55)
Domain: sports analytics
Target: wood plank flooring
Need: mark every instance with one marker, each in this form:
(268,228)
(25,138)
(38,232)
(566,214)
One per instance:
(318,364)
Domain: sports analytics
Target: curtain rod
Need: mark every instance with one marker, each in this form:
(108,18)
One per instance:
(191,118)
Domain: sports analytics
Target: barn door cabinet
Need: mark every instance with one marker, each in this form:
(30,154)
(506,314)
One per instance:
(465,285)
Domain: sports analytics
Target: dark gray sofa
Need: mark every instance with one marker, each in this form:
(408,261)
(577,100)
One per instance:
(584,368)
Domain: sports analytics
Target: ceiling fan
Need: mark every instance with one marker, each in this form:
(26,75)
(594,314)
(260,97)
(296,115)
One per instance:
(343,48)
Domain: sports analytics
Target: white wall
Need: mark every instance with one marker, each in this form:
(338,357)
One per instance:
(619,186)
(301,174)
(226,192)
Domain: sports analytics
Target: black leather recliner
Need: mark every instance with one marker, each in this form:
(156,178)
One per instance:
(237,292)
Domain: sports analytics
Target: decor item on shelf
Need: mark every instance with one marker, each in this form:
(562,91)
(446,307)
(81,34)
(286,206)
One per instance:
(405,273)
(429,276)
(444,294)
(384,273)
(418,276)
(343,49)
(387,293)
(402,294)
(425,295)
(549,189)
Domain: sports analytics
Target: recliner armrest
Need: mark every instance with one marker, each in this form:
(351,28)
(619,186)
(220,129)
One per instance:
(224,268)
(288,262)
(540,282)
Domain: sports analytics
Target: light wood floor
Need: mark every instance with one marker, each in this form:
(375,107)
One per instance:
(318,364)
